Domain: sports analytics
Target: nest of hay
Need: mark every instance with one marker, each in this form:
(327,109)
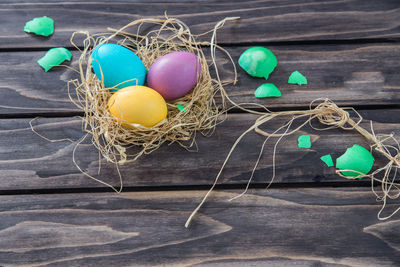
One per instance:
(202,112)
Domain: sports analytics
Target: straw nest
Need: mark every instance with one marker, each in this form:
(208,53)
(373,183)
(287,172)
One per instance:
(202,112)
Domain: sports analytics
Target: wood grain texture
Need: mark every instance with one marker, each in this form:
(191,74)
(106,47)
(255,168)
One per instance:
(348,50)
(261,21)
(29,162)
(289,227)
(348,74)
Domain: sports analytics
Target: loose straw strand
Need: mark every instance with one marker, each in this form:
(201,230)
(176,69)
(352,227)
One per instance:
(330,115)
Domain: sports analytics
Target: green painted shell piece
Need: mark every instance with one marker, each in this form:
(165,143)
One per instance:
(355,158)
(181,107)
(297,78)
(267,90)
(258,61)
(327,159)
(304,141)
(54,56)
(40,26)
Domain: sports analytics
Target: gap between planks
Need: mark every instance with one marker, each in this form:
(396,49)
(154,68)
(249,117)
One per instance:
(127,189)
(243,44)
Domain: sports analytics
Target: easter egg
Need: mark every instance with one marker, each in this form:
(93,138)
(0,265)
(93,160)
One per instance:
(258,61)
(117,64)
(175,74)
(137,105)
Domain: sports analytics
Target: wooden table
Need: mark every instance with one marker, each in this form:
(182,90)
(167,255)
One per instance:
(51,214)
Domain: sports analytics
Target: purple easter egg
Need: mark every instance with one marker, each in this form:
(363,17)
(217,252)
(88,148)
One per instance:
(174,74)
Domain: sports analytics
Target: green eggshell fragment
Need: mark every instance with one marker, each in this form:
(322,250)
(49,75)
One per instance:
(181,107)
(297,78)
(304,141)
(328,160)
(355,158)
(258,61)
(267,90)
(40,26)
(54,56)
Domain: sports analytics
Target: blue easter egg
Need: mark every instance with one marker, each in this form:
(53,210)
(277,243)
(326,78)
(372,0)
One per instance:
(118,64)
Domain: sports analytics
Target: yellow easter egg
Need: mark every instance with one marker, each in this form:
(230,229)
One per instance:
(138,105)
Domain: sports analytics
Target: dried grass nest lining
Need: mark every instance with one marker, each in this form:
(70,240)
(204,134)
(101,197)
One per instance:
(201,114)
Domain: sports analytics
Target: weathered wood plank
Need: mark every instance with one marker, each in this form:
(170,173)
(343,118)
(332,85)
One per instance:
(324,227)
(348,74)
(29,162)
(261,21)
